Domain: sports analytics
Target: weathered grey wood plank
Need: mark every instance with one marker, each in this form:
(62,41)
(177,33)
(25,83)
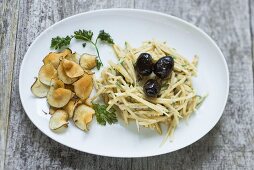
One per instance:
(8,27)
(230,144)
(251,11)
(27,147)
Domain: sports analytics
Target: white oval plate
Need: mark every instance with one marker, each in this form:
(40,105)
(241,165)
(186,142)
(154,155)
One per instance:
(134,26)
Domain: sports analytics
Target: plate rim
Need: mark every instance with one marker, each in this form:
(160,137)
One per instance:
(144,12)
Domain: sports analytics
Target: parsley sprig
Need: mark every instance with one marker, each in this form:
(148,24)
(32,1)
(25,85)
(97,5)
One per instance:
(84,35)
(103,116)
(59,42)
(103,36)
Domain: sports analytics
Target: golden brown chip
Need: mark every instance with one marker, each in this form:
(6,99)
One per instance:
(88,61)
(39,89)
(73,57)
(70,107)
(58,120)
(47,73)
(59,97)
(83,115)
(84,86)
(72,69)
(55,57)
(62,75)
(52,110)
(56,83)
(66,52)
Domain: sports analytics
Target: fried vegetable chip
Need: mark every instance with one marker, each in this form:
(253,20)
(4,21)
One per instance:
(47,73)
(39,89)
(73,57)
(70,107)
(72,69)
(52,110)
(54,57)
(62,75)
(59,97)
(66,52)
(58,120)
(56,83)
(87,61)
(83,115)
(84,86)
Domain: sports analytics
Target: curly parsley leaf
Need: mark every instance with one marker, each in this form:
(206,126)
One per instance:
(59,42)
(83,35)
(103,116)
(103,36)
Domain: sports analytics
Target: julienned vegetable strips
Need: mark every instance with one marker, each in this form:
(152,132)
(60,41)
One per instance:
(121,89)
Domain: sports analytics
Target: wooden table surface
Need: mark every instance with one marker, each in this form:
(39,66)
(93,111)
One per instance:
(230,145)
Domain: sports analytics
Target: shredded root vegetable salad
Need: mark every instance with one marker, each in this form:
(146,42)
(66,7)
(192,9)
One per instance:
(122,90)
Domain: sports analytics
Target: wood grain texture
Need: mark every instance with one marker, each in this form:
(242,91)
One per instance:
(251,11)
(228,146)
(8,27)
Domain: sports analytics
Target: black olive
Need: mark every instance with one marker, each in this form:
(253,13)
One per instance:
(144,64)
(163,67)
(152,88)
